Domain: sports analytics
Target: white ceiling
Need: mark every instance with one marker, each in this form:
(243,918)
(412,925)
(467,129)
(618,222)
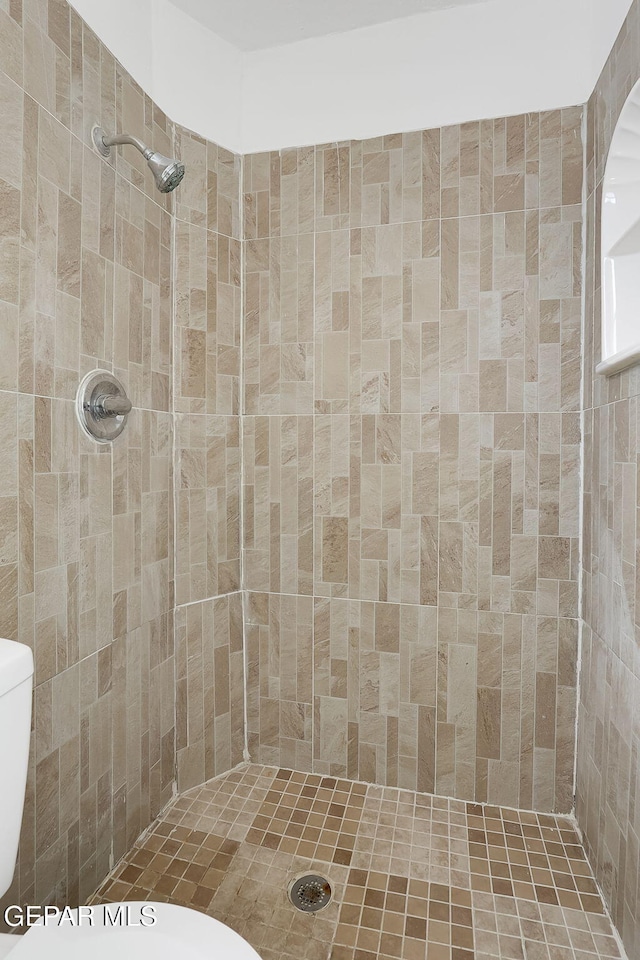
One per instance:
(258,24)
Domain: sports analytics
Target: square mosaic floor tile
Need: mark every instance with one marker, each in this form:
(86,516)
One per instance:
(413,877)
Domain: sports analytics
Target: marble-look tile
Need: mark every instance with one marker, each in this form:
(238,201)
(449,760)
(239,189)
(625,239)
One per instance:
(412,385)
(608,768)
(411,876)
(87,545)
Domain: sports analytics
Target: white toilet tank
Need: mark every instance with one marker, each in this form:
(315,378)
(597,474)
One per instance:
(16,671)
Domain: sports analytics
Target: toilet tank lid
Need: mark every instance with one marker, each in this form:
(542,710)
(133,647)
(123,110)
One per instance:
(16,664)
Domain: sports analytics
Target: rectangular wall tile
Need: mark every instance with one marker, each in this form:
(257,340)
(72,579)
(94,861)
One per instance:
(208,506)
(87,530)
(209,688)
(439,325)
(608,765)
(280,679)
(278,504)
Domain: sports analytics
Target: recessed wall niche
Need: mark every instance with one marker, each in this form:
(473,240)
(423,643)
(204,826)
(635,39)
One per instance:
(621,243)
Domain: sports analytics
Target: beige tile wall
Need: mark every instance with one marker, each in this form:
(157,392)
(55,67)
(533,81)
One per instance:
(411,456)
(411,459)
(89,577)
(209,688)
(608,772)
(280,652)
(206,389)
(87,531)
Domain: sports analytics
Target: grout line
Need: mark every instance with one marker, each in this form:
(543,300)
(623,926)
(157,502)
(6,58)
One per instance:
(243,592)
(442,678)
(174,465)
(103,364)
(215,596)
(607,912)
(324,596)
(401,223)
(565,817)
(266,416)
(581,477)
(111,365)
(314,732)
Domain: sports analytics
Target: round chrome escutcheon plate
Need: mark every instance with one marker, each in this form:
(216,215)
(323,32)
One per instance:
(99,397)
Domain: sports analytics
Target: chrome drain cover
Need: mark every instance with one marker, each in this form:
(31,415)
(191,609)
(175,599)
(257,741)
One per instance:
(310,893)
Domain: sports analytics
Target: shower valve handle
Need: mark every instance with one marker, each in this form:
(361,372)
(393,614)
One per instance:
(110,406)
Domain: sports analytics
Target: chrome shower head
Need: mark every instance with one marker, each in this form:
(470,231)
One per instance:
(167,173)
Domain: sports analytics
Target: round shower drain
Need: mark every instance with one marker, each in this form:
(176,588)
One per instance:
(310,893)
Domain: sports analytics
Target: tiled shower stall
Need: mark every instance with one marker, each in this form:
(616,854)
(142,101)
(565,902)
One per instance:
(372,503)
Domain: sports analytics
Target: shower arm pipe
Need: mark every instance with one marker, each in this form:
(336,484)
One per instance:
(167,172)
(126,138)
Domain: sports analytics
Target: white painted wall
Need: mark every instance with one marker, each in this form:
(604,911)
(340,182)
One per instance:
(197,77)
(257,24)
(488,59)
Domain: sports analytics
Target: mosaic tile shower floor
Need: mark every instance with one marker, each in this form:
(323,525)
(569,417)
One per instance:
(415,877)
